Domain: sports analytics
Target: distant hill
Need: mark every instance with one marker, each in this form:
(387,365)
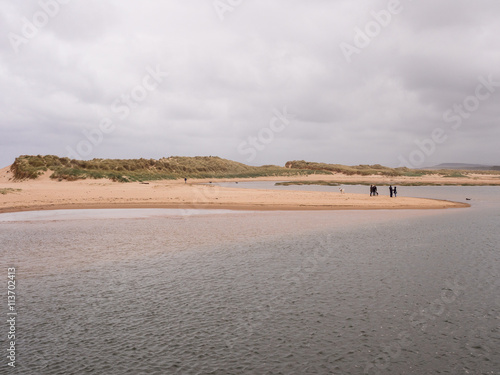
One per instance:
(465,166)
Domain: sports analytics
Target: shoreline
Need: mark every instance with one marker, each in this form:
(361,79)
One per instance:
(46,194)
(232,207)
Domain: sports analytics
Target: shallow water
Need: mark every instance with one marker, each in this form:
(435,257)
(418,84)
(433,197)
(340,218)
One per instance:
(181,292)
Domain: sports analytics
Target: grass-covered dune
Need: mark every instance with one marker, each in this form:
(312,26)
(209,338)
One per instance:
(174,167)
(377,169)
(363,170)
(125,170)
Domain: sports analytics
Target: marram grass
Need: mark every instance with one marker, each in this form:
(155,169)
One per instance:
(174,167)
(4,191)
(128,170)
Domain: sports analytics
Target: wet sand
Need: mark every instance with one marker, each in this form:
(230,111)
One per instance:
(47,194)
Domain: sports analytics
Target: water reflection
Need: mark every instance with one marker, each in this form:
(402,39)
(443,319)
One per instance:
(346,292)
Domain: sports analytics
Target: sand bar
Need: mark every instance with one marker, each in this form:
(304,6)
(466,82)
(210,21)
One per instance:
(47,194)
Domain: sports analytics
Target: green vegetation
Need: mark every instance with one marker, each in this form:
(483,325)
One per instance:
(127,170)
(174,167)
(8,190)
(363,170)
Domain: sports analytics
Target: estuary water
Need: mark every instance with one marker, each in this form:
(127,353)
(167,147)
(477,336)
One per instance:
(225,292)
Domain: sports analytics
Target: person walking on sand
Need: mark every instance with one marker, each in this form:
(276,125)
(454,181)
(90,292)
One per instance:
(390,190)
(371,190)
(394,191)
(185,180)
(375,192)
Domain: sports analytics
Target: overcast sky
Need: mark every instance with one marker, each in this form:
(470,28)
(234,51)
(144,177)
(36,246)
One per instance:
(256,81)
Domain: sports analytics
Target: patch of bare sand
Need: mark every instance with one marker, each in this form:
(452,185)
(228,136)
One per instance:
(5,175)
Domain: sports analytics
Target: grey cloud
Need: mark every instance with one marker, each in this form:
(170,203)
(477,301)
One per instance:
(226,77)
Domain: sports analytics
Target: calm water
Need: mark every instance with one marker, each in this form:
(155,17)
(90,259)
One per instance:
(209,292)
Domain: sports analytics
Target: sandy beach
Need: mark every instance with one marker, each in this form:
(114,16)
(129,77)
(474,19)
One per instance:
(45,193)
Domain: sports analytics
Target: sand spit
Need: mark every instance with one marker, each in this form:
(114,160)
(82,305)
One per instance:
(45,194)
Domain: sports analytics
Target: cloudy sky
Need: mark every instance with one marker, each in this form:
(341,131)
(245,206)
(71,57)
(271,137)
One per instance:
(257,81)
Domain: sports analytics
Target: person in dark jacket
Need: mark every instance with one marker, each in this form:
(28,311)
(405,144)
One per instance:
(390,190)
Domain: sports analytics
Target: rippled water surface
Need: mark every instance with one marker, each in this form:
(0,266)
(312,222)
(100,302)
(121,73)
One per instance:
(182,292)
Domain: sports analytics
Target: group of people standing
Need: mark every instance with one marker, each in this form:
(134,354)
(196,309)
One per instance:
(392,191)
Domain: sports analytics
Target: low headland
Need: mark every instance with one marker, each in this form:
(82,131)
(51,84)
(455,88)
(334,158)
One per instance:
(51,182)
